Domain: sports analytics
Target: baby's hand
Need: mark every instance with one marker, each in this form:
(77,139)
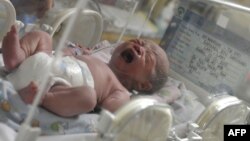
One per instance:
(84,50)
(73,49)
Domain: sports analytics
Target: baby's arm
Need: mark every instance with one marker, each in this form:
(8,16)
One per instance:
(72,49)
(70,101)
(116,100)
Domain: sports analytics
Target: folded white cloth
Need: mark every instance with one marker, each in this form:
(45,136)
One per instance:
(69,71)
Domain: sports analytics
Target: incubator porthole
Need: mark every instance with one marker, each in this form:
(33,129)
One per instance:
(140,120)
(216,116)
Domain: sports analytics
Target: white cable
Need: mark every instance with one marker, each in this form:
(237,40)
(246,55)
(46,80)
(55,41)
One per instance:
(129,19)
(147,19)
(114,45)
(79,6)
(232,5)
(100,49)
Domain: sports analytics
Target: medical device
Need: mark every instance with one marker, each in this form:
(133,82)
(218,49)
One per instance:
(208,49)
(198,32)
(134,121)
(142,109)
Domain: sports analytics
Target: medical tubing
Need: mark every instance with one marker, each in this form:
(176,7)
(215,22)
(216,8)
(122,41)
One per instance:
(232,5)
(128,20)
(100,49)
(147,19)
(79,6)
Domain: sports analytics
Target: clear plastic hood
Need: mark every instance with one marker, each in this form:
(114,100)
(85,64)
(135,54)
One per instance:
(208,44)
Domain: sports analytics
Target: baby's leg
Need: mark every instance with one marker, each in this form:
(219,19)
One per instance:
(28,93)
(12,53)
(15,51)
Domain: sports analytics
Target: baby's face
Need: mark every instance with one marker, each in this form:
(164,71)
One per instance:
(133,64)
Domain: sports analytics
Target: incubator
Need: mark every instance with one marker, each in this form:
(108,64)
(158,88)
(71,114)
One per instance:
(208,49)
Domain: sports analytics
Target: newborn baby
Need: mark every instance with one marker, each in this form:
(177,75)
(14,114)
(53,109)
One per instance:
(78,83)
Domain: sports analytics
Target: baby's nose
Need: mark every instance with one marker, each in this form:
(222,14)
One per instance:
(138,50)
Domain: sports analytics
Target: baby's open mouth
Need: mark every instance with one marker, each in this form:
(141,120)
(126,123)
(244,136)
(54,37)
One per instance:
(128,56)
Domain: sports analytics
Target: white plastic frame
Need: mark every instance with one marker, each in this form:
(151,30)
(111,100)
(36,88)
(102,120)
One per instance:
(10,17)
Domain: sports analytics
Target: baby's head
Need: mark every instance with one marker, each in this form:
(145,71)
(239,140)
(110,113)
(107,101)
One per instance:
(140,65)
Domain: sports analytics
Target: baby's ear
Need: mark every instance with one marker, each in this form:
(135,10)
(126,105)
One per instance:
(144,86)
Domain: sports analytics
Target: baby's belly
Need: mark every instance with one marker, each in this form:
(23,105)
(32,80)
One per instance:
(68,70)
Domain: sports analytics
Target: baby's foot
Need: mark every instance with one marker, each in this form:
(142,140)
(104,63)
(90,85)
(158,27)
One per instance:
(10,48)
(28,93)
(11,39)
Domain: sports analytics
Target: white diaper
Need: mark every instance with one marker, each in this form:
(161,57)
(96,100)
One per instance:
(69,71)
